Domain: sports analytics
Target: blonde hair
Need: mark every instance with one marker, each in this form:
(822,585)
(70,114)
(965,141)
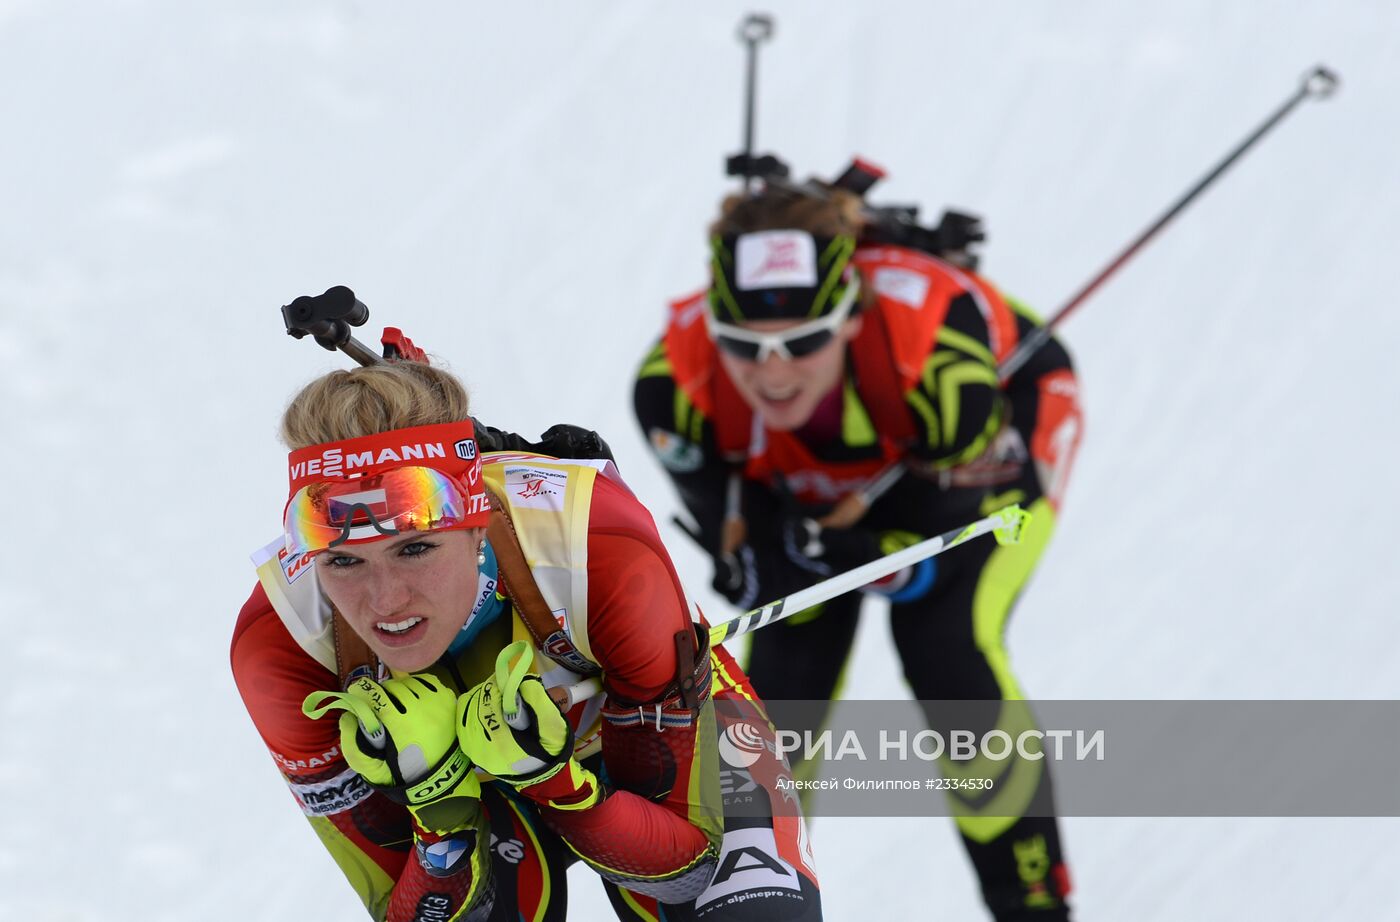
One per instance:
(372,399)
(835,215)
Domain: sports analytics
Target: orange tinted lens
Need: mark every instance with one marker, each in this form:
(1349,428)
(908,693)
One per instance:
(323,515)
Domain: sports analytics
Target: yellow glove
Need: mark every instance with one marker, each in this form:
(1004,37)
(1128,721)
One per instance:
(511,728)
(400,736)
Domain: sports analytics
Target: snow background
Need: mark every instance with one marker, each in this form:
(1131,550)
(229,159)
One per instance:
(522,190)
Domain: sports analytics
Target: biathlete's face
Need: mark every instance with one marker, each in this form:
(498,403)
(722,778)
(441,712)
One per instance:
(407,596)
(785,391)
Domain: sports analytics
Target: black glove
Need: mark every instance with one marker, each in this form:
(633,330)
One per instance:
(757,570)
(787,552)
(798,555)
(827,551)
(783,550)
(755,574)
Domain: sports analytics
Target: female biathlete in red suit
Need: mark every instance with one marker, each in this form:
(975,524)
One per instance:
(390,662)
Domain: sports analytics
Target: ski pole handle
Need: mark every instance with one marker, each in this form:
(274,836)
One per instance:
(566,696)
(734,529)
(756,28)
(853,506)
(1321,82)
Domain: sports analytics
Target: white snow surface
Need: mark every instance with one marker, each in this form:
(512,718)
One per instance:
(521,187)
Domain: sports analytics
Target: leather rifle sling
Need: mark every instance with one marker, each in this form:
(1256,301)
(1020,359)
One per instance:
(518,582)
(519,585)
(353,657)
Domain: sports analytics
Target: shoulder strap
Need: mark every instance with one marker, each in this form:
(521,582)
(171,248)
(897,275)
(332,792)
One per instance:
(878,382)
(732,418)
(700,378)
(353,657)
(516,579)
(518,583)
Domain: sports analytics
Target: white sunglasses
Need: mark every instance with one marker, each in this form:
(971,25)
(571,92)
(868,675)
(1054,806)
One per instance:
(794,343)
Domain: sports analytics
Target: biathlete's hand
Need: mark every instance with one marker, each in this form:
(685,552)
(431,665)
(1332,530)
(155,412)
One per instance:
(827,551)
(511,728)
(736,577)
(756,573)
(401,736)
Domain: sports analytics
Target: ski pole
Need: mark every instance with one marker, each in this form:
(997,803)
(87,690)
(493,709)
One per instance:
(733,529)
(755,29)
(852,507)
(1006,524)
(1319,82)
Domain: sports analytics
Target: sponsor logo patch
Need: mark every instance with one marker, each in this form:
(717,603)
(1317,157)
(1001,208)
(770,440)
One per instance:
(323,798)
(311,764)
(818,486)
(675,453)
(444,858)
(537,488)
(366,671)
(294,568)
(561,649)
(902,285)
(775,259)
(511,850)
(433,907)
(692,311)
(735,782)
(334,462)
(749,861)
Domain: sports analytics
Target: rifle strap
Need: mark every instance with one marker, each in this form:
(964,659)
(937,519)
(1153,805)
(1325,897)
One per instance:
(353,657)
(518,584)
(872,354)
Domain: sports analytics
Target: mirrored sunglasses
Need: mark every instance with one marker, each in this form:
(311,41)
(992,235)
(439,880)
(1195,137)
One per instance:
(406,499)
